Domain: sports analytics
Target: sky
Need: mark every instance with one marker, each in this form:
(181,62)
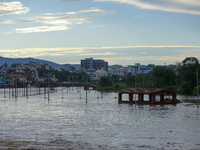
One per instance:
(121,32)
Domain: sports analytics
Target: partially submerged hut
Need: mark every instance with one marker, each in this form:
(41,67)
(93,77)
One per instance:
(152,94)
(90,86)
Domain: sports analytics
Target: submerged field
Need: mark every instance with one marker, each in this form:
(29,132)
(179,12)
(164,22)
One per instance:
(66,121)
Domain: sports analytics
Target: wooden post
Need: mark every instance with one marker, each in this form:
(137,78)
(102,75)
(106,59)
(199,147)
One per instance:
(174,98)
(140,97)
(130,97)
(119,97)
(153,98)
(162,98)
(149,97)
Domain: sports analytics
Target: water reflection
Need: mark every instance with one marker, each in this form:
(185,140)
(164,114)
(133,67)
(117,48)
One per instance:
(101,123)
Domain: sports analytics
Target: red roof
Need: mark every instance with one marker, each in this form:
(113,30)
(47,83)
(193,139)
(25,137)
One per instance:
(17,75)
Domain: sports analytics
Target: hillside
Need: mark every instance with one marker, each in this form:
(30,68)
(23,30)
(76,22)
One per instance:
(27,60)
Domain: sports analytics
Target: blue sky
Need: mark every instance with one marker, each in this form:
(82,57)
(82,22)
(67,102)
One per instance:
(119,31)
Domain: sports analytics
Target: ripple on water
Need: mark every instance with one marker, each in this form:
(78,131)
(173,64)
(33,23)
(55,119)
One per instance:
(102,123)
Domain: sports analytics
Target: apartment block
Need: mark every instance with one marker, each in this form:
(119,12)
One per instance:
(90,63)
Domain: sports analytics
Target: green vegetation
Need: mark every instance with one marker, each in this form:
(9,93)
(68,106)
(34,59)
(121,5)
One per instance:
(183,79)
(65,75)
(107,85)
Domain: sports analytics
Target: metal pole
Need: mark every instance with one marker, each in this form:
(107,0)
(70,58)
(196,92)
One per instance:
(48,86)
(86,87)
(16,90)
(24,88)
(9,90)
(197,90)
(4,88)
(135,85)
(80,91)
(12,87)
(62,89)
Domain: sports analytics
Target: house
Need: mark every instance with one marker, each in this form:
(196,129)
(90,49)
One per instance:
(18,67)
(99,73)
(4,82)
(91,73)
(69,68)
(20,77)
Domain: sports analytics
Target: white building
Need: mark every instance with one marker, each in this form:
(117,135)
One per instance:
(99,73)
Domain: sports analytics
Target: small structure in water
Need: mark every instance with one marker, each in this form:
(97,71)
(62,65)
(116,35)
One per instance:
(89,86)
(152,92)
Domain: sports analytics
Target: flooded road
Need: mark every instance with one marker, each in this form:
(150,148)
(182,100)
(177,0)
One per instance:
(67,121)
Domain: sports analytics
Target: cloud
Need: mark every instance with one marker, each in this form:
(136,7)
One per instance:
(71,1)
(9,8)
(93,9)
(52,14)
(103,25)
(72,18)
(95,54)
(124,55)
(137,16)
(41,29)
(177,6)
(113,12)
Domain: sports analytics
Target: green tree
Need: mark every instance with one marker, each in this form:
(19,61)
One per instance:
(105,82)
(187,75)
(164,77)
(130,80)
(115,78)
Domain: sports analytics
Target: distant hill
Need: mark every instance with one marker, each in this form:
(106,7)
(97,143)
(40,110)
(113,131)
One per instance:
(52,64)
(27,60)
(115,66)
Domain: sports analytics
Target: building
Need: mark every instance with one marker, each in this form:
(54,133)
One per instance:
(99,74)
(90,63)
(69,68)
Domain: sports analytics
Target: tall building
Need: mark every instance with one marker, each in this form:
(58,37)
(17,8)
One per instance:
(94,63)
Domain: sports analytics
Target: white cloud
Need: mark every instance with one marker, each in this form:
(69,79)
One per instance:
(137,16)
(9,8)
(51,14)
(113,12)
(41,29)
(178,6)
(71,1)
(93,9)
(78,17)
(95,54)
(124,55)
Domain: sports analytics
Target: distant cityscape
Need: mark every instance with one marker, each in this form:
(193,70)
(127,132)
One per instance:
(95,68)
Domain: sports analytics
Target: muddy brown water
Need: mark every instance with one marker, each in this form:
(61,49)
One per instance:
(66,121)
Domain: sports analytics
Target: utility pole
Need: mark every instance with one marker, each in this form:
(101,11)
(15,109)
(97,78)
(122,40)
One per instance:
(135,84)
(197,89)
(86,87)
(48,86)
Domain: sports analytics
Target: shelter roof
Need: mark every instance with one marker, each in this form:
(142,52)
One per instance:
(146,91)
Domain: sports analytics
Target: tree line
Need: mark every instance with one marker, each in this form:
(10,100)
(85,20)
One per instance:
(183,79)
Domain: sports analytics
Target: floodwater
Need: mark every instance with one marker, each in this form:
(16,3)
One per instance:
(66,121)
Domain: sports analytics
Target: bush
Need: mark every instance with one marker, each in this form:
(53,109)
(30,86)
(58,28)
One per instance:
(194,93)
